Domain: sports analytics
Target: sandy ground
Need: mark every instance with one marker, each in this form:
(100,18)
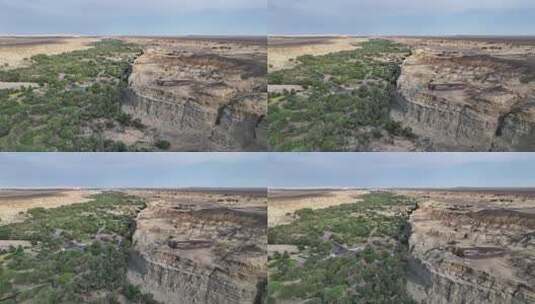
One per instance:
(5,245)
(17,85)
(282,205)
(13,206)
(129,136)
(291,249)
(13,51)
(283,50)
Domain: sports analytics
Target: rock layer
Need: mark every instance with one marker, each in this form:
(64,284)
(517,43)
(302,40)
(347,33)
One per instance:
(473,248)
(203,95)
(202,248)
(469,95)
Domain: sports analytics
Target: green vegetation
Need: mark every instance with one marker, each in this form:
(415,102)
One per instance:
(78,98)
(78,254)
(163,145)
(345,103)
(374,272)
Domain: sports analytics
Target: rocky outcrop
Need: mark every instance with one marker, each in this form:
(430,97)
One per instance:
(202,97)
(472,251)
(465,98)
(516,131)
(194,249)
(449,126)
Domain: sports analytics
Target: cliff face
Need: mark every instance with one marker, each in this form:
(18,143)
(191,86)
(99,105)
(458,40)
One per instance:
(468,96)
(465,249)
(193,249)
(201,95)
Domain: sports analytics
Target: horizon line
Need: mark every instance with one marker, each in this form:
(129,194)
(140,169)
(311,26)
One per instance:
(267,187)
(53,35)
(399,35)
(67,35)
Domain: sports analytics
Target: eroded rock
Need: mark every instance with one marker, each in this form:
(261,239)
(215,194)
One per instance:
(469,95)
(472,248)
(202,94)
(202,247)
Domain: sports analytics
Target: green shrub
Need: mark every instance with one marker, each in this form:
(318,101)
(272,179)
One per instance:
(66,262)
(377,274)
(70,101)
(163,144)
(338,111)
(131,292)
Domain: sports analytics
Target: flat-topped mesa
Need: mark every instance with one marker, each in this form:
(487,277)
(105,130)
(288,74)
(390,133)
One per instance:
(468,95)
(195,249)
(185,94)
(468,248)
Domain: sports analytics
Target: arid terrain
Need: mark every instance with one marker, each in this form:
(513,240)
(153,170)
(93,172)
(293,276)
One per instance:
(284,203)
(175,246)
(13,204)
(133,94)
(472,246)
(438,94)
(469,94)
(16,52)
(202,94)
(202,246)
(425,246)
(284,50)
(403,246)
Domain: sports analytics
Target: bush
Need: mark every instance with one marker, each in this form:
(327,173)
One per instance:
(338,109)
(66,272)
(395,128)
(4,130)
(132,293)
(163,144)
(60,115)
(119,146)
(374,275)
(136,123)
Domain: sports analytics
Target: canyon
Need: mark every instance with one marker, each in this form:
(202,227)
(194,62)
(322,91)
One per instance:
(334,94)
(201,246)
(454,245)
(469,93)
(144,246)
(220,245)
(201,94)
(472,246)
(345,246)
(204,93)
(456,93)
(192,93)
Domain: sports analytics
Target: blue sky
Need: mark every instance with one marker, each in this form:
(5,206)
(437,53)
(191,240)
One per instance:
(267,169)
(134,17)
(259,17)
(131,169)
(407,17)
